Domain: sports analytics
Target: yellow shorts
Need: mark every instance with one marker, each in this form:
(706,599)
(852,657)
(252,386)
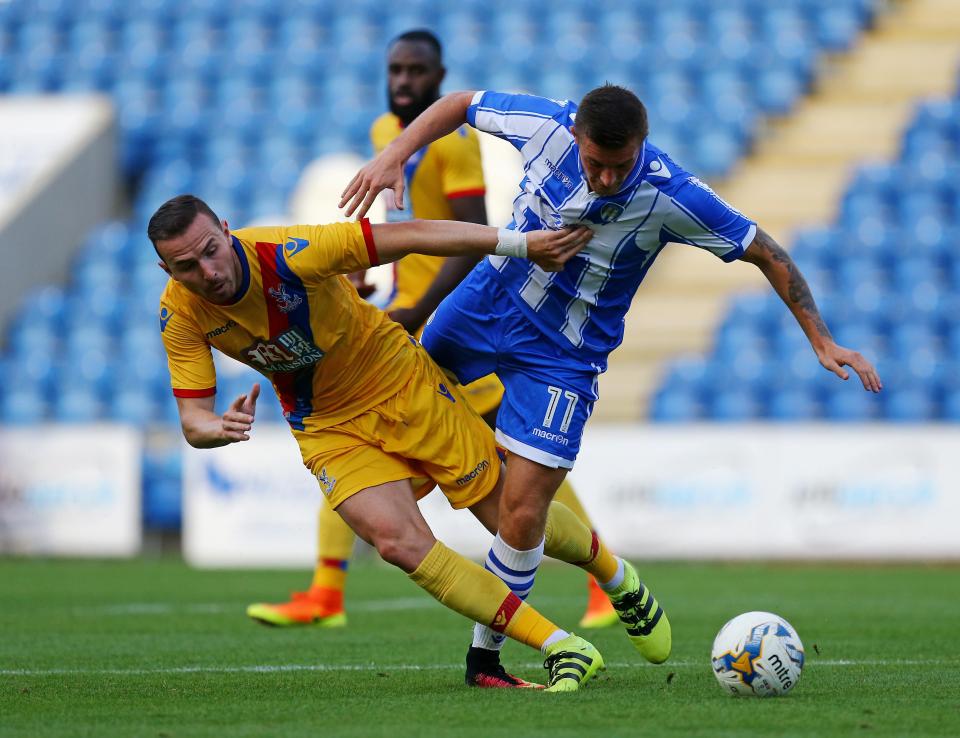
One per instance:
(427,432)
(483,394)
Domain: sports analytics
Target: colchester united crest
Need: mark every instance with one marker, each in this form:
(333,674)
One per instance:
(610,212)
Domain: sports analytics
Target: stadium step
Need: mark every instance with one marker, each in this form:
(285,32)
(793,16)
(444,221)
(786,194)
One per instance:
(861,103)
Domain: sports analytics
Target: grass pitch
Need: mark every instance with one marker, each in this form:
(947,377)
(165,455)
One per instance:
(153,648)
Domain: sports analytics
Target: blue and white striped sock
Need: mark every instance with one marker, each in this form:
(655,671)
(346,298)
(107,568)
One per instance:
(517,569)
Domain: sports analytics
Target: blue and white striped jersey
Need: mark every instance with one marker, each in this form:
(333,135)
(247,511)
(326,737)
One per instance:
(584,305)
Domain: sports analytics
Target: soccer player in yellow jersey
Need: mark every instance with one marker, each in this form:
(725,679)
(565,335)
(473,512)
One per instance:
(376,420)
(445,182)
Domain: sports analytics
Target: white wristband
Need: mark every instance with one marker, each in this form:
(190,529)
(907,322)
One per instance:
(511,243)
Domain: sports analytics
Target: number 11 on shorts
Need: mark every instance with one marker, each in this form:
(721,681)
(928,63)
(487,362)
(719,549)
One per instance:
(572,399)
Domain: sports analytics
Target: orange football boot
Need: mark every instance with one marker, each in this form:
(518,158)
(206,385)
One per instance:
(318,606)
(600,613)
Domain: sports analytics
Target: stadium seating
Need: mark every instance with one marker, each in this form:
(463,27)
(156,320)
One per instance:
(232,100)
(887,276)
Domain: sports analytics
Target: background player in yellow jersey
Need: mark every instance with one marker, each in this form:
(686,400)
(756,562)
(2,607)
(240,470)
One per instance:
(375,419)
(445,182)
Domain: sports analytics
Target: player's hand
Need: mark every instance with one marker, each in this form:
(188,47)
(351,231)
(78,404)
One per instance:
(360,283)
(550,250)
(238,420)
(834,357)
(380,174)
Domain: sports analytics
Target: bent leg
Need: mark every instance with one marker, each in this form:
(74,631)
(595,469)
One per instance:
(387,517)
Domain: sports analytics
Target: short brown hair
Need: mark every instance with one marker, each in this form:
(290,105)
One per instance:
(611,117)
(175,216)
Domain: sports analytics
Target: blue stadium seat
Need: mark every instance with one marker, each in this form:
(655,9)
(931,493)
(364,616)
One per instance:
(675,407)
(792,405)
(850,403)
(734,404)
(910,404)
(77,405)
(24,407)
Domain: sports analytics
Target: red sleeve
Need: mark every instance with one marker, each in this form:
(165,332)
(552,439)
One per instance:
(475,192)
(209,392)
(368,240)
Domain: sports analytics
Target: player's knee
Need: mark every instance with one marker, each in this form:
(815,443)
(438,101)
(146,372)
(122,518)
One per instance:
(402,548)
(523,526)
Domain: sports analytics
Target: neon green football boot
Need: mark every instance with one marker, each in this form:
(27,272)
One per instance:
(646,622)
(571,663)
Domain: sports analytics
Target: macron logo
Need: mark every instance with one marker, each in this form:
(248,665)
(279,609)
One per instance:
(562,176)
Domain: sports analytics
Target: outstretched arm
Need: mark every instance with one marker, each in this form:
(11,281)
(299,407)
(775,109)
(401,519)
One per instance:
(471,210)
(549,250)
(784,276)
(386,170)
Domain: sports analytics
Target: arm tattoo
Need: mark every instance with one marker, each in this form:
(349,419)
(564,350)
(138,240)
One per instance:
(797,289)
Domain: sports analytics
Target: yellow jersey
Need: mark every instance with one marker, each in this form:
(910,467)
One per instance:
(329,354)
(441,171)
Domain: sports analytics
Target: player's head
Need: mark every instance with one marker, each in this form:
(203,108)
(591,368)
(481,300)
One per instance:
(610,128)
(195,248)
(414,73)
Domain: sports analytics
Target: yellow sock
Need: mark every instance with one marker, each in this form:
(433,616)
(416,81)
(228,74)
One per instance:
(568,539)
(474,592)
(335,542)
(566,496)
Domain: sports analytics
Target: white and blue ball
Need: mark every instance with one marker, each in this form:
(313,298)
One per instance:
(757,653)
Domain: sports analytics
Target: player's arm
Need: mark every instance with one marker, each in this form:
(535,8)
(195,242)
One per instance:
(549,250)
(204,428)
(469,209)
(784,276)
(386,170)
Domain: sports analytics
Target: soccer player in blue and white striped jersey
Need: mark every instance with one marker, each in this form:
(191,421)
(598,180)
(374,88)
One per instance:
(548,335)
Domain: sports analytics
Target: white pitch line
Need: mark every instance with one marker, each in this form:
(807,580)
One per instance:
(217,608)
(276,668)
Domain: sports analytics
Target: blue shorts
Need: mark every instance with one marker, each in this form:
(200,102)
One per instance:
(548,392)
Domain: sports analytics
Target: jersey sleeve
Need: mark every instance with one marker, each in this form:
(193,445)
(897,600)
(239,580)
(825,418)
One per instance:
(192,373)
(315,252)
(699,217)
(461,171)
(514,118)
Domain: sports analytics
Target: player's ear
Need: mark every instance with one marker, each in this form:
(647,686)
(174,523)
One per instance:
(573,131)
(226,227)
(163,265)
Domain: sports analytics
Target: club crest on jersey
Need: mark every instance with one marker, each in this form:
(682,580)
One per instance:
(285,301)
(610,212)
(326,482)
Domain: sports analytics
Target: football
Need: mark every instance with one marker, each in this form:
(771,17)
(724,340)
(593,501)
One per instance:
(757,653)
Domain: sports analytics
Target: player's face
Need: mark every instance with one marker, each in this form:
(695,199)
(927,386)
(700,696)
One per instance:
(606,169)
(414,74)
(202,259)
